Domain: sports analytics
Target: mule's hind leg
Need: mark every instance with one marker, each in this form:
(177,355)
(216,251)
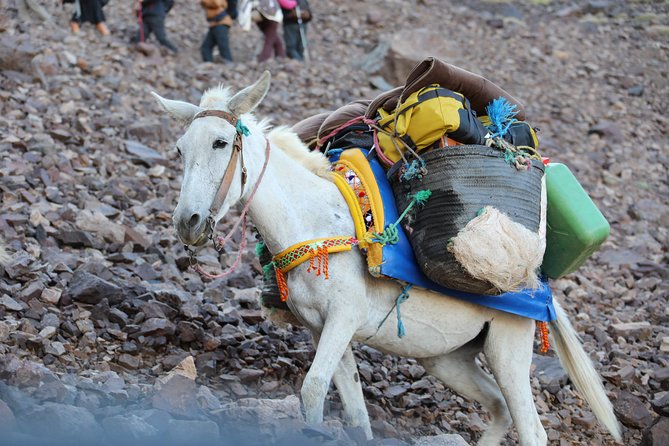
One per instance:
(508,350)
(459,371)
(347,380)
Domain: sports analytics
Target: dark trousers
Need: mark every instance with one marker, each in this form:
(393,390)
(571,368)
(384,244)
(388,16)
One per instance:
(294,44)
(273,43)
(91,11)
(217,36)
(156,24)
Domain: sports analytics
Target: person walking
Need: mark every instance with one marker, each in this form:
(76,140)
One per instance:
(296,15)
(153,13)
(89,11)
(220,14)
(270,18)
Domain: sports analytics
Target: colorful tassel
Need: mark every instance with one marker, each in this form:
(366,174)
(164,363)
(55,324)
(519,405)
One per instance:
(502,114)
(283,286)
(241,128)
(542,328)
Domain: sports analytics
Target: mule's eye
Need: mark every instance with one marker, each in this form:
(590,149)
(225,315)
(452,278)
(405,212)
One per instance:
(220,144)
(179,151)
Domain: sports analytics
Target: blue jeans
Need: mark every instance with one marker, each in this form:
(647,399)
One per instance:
(217,36)
(291,35)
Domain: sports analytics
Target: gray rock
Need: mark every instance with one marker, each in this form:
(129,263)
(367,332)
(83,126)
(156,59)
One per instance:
(4,331)
(16,399)
(609,130)
(60,421)
(657,434)
(441,440)
(660,404)
(87,288)
(130,361)
(157,327)
(631,411)
(32,374)
(7,419)
(192,432)
(249,375)
(550,373)
(178,396)
(635,330)
(124,428)
(55,391)
(10,304)
(636,90)
(207,399)
(143,154)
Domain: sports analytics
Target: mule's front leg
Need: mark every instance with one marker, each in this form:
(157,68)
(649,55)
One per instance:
(332,342)
(347,380)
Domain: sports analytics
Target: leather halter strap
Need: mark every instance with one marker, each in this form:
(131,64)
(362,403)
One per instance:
(237,152)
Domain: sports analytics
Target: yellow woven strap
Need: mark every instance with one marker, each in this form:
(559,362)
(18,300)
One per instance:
(316,251)
(299,253)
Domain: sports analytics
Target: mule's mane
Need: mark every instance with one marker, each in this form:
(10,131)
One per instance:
(287,140)
(282,137)
(215,96)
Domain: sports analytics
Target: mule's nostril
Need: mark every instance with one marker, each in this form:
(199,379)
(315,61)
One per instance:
(194,220)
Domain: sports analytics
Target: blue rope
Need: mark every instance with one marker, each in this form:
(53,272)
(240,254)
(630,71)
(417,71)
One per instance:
(241,128)
(403,297)
(333,152)
(415,170)
(502,115)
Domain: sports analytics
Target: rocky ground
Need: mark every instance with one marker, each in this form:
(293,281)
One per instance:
(97,306)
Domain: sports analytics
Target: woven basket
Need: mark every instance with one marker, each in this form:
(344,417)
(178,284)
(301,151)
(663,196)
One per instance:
(463,180)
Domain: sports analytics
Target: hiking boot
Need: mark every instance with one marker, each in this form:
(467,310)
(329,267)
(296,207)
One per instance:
(74,26)
(102,28)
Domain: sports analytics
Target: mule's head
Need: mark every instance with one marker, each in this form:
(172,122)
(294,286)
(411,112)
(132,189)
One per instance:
(206,149)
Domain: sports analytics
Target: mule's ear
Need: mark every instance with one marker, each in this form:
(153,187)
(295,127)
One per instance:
(180,110)
(249,98)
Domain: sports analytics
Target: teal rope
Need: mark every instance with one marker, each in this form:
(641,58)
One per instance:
(415,170)
(241,128)
(390,235)
(260,246)
(403,297)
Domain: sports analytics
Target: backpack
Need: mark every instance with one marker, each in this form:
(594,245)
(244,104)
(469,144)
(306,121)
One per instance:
(425,118)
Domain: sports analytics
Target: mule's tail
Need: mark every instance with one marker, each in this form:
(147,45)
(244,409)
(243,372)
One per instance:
(581,371)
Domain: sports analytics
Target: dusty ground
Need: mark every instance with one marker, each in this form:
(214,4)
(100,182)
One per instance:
(592,74)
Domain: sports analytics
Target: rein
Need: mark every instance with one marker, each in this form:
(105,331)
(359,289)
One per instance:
(223,189)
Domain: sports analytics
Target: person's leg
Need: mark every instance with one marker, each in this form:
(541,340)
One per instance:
(141,33)
(157,25)
(291,36)
(207,47)
(266,51)
(221,34)
(277,43)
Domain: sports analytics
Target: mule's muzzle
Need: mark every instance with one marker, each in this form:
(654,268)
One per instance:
(193,229)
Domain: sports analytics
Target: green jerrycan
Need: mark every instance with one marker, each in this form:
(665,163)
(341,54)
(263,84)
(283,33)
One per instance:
(575,228)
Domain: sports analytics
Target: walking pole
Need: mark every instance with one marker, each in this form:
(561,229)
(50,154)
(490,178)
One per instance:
(140,21)
(303,35)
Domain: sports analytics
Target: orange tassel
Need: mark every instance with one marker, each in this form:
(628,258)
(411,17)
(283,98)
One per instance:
(542,327)
(312,257)
(326,263)
(283,286)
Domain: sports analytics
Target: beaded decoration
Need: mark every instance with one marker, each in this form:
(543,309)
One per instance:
(356,184)
(316,251)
